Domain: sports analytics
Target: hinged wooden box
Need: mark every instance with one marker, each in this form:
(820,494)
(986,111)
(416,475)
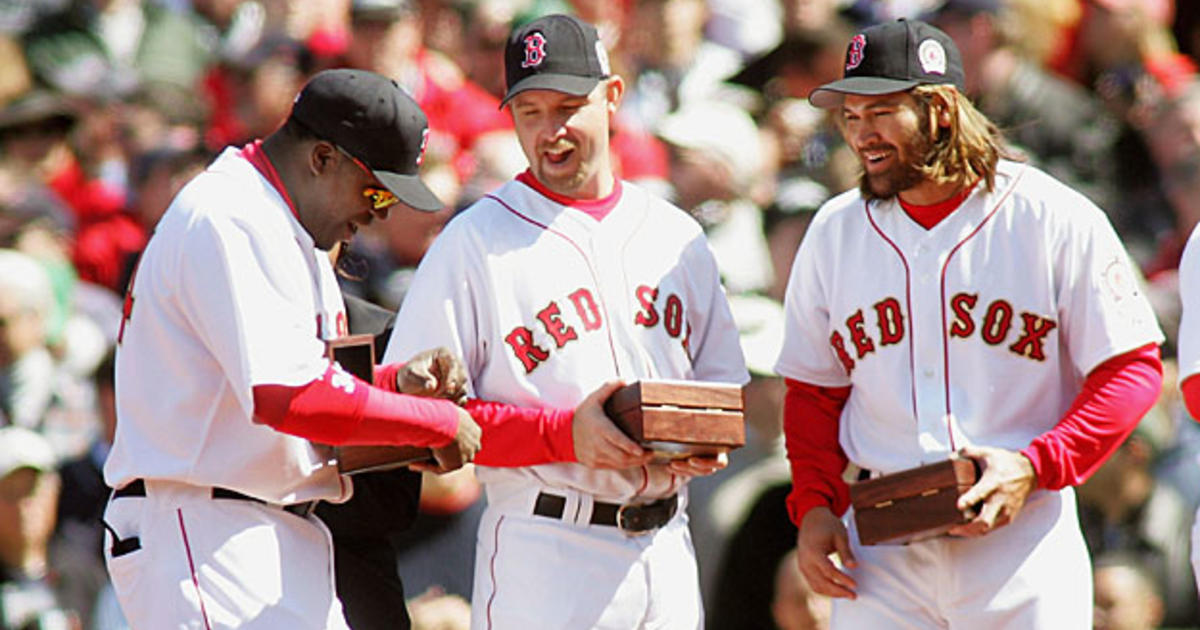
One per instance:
(680,418)
(356,355)
(913,504)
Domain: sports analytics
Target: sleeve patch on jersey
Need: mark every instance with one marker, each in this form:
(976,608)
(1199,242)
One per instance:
(1118,281)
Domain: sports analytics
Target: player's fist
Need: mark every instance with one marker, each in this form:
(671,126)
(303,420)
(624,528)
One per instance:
(598,442)
(461,449)
(435,373)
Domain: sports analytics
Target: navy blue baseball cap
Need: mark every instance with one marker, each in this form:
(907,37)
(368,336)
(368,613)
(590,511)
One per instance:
(893,57)
(373,119)
(555,52)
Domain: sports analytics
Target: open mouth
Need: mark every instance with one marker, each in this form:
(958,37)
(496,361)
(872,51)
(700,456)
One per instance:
(558,155)
(875,157)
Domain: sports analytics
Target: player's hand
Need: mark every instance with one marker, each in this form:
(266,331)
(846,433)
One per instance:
(699,465)
(598,442)
(435,373)
(822,534)
(459,451)
(1003,488)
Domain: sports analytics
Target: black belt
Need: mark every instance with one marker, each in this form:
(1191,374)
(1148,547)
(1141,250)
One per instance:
(630,518)
(137,488)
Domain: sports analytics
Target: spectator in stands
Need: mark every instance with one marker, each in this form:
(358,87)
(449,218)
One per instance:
(1125,508)
(28,493)
(716,168)
(1127,596)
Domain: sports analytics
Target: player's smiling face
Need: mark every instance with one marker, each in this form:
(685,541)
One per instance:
(565,137)
(889,137)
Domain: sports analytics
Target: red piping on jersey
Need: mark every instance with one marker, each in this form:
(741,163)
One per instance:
(649,367)
(912,369)
(492,568)
(599,295)
(254,154)
(187,548)
(945,335)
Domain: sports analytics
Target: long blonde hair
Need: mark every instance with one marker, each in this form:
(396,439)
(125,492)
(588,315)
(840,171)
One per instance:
(969,148)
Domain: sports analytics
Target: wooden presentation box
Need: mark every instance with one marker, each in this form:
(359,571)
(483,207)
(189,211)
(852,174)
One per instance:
(680,418)
(356,355)
(913,504)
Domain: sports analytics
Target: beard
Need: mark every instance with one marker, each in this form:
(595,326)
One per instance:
(904,174)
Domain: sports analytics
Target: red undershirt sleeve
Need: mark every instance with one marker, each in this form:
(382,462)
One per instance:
(1113,400)
(522,436)
(1191,395)
(385,376)
(341,409)
(810,425)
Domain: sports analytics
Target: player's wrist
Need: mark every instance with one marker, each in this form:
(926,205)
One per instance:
(1030,462)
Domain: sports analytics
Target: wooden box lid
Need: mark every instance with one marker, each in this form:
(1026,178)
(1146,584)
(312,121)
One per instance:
(680,419)
(913,504)
(681,394)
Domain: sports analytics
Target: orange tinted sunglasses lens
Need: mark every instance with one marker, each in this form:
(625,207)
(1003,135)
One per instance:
(380,197)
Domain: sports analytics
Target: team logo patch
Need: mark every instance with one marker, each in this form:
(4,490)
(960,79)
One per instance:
(535,50)
(932,57)
(602,56)
(856,53)
(1119,281)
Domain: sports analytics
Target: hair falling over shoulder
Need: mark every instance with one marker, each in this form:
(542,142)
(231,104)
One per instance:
(970,147)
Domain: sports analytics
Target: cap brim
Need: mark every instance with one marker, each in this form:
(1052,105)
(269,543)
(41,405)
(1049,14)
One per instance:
(831,94)
(410,190)
(568,83)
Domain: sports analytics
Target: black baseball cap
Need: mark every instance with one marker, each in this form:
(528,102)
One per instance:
(893,57)
(373,119)
(555,52)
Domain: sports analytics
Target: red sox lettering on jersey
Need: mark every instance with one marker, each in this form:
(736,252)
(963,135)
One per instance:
(993,324)
(520,340)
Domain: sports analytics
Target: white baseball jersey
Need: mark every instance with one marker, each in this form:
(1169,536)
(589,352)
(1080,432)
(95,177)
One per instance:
(544,304)
(978,331)
(1189,322)
(230,293)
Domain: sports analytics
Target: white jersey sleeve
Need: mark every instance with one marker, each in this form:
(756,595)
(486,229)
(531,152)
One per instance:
(1102,310)
(1189,322)
(249,315)
(806,354)
(713,344)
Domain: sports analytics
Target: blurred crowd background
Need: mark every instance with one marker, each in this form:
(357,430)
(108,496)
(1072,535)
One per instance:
(107,107)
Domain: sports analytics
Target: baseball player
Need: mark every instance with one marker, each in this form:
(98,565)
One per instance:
(224,397)
(959,303)
(560,280)
(1189,353)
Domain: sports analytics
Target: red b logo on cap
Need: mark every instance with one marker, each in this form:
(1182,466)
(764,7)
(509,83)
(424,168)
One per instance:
(535,50)
(854,55)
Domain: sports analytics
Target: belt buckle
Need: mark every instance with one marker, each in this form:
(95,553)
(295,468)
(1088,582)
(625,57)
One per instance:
(627,527)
